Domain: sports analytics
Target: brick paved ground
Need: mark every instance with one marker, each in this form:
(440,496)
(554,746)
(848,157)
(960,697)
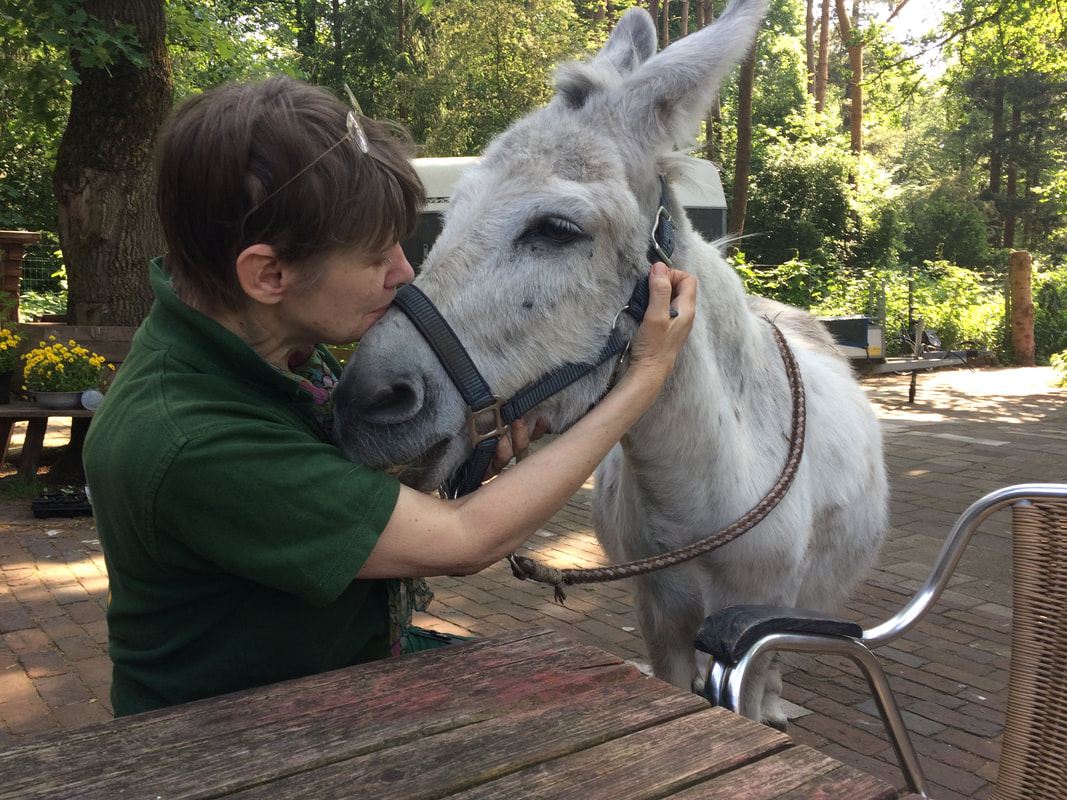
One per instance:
(967,433)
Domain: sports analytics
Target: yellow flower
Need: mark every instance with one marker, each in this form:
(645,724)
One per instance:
(61,368)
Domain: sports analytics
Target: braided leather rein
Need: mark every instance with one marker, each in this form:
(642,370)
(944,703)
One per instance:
(527,569)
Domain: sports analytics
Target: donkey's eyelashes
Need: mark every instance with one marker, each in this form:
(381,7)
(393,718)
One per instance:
(557,230)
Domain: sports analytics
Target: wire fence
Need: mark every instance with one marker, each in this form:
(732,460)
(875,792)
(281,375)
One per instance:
(37,275)
(43,288)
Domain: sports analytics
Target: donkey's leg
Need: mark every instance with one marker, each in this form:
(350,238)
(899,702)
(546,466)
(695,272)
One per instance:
(771,710)
(734,582)
(669,610)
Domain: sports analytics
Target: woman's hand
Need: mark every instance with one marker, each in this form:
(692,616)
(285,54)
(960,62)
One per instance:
(516,445)
(660,337)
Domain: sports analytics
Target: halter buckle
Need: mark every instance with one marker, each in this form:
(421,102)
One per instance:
(662,239)
(500,427)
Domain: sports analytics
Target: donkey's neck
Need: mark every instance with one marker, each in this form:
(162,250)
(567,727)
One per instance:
(710,406)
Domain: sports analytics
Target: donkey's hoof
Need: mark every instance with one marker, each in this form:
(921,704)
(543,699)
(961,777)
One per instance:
(778,724)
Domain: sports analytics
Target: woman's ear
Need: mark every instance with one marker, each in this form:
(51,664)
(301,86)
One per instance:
(261,274)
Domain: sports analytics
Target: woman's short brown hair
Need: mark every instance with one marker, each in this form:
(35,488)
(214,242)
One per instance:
(229,176)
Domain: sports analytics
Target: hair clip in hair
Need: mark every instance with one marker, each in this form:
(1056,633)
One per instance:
(352,121)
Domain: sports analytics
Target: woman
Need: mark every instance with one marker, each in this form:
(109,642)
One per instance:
(241,547)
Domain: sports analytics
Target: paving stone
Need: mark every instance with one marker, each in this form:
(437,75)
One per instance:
(13,618)
(44,664)
(61,690)
(82,713)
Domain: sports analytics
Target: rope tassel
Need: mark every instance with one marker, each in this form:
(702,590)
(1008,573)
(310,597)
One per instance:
(527,569)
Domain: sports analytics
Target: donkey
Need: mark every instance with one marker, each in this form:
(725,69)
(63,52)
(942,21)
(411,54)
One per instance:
(546,238)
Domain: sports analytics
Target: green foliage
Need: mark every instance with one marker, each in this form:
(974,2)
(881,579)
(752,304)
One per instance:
(458,72)
(954,302)
(799,201)
(781,91)
(32,304)
(227,40)
(489,64)
(947,222)
(957,304)
(43,39)
(1059,369)
(1050,312)
(1006,87)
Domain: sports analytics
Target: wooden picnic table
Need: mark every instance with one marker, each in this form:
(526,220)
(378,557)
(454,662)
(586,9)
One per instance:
(521,715)
(36,419)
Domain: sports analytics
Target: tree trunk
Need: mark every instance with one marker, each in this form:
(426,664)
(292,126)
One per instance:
(822,73)
(1033,179)
(665,37)
(855,83)
(1022,307)
(685,18)
(653,10)
(713,121)
(103,181)
(996,151)
(735,225)
(306,22)
(809,45)
(1011,188)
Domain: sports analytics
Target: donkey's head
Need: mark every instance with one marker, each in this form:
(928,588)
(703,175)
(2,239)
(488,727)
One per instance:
(546,238)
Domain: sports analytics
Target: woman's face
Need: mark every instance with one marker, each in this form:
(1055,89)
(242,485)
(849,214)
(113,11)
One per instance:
(352,293)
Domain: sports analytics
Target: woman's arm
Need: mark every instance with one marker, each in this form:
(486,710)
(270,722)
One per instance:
(427,536)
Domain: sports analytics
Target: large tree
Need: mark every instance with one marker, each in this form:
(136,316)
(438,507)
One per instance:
(108,226)
(1008,84)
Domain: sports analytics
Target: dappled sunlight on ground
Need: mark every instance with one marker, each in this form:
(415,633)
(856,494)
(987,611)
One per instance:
(1009,395)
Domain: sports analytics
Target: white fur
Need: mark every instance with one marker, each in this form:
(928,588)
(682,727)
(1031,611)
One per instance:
(523,302)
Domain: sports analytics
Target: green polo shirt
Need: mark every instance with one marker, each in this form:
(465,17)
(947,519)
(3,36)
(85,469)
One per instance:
(232,528)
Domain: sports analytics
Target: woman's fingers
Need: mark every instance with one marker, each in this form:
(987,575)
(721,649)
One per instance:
(515,445)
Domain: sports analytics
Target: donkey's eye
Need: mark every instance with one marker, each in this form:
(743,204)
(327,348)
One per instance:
(554,229)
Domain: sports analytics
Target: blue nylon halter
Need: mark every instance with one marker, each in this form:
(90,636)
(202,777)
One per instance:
(482,404)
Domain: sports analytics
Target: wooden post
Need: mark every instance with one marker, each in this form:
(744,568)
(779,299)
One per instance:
(12,249)
(1020,267)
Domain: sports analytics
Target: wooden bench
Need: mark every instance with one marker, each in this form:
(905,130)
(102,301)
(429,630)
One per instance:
(110,341)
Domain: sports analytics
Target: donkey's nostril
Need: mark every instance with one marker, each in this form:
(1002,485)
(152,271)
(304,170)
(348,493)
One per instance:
(398,402)
(396,399)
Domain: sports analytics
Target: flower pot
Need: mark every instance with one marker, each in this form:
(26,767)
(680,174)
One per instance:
(5,386)
(58,400)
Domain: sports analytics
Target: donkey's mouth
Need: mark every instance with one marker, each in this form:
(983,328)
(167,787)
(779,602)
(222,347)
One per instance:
(414,472)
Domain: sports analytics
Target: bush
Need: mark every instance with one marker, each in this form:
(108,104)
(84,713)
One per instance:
(1059,369)
(955,303)
(798,207)
(1050,313)
(946,223)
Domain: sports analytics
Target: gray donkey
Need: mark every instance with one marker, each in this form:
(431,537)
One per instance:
(547,237)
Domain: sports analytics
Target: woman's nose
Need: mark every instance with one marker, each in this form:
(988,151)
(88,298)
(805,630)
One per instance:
(402,271)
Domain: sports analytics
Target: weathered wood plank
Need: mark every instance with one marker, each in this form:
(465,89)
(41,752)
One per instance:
(450,761)
(799,772)
(651,763)
(377,705)
(843,782)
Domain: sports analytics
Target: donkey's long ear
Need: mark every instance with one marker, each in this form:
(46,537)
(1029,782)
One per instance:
(667,96)
(632,42)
